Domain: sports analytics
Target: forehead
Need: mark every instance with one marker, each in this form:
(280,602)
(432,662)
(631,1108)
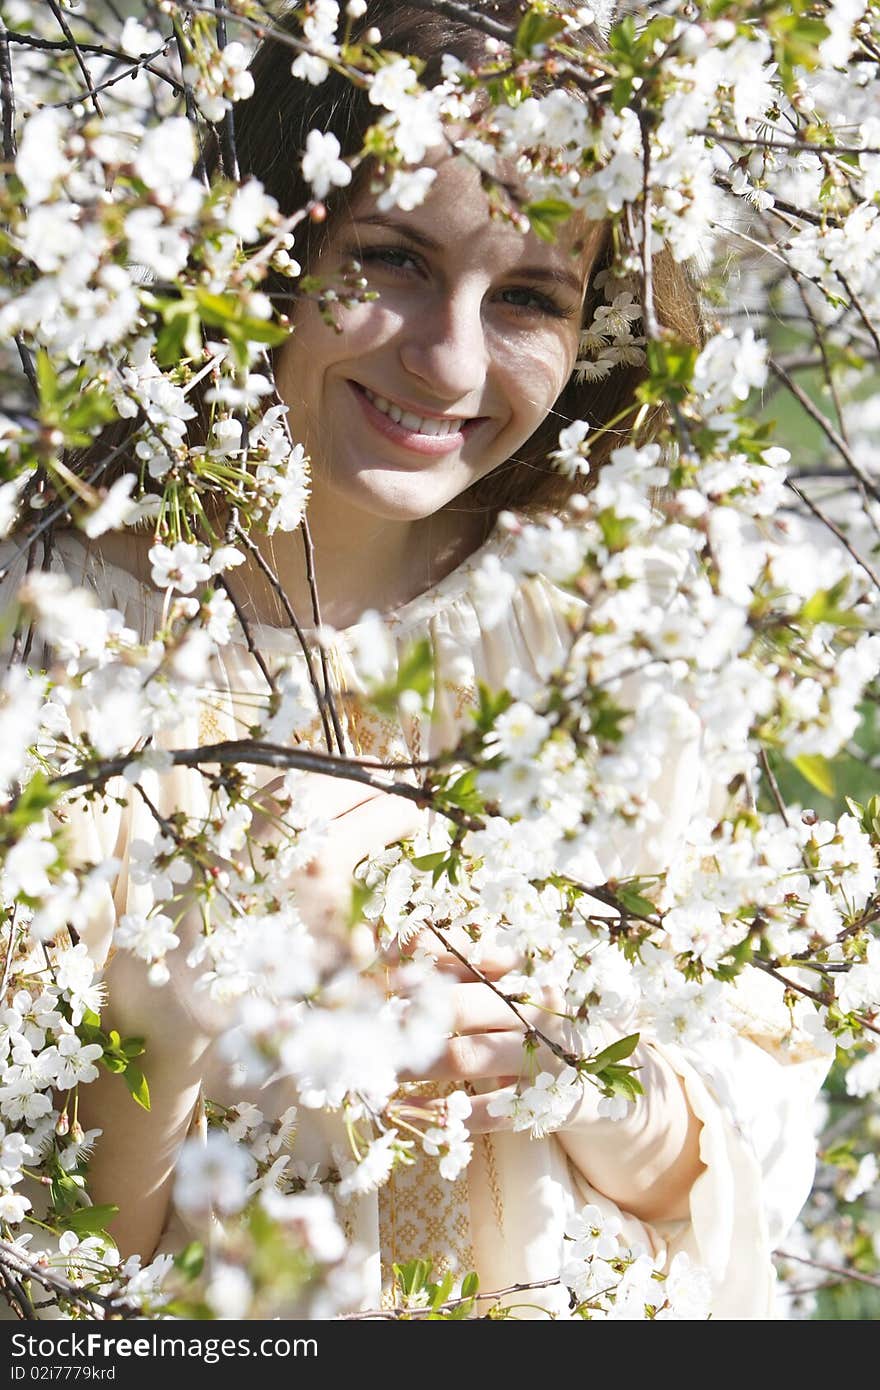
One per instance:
(459,218)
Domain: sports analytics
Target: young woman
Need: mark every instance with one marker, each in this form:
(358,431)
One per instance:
(434,408)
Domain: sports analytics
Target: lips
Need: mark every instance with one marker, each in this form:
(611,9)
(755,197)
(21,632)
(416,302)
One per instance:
(419,424)
(421,434)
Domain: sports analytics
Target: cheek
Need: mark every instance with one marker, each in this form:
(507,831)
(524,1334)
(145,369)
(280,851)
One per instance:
(535,375)
(315,346)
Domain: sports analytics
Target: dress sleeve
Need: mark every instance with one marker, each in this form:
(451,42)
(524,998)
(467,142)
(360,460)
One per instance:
(753,1096)
(95,832)
(750,1085)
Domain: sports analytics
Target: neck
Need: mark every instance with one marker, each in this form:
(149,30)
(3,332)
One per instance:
(360,561)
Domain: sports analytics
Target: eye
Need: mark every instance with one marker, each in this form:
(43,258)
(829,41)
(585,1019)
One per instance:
(393,258)
(529,301)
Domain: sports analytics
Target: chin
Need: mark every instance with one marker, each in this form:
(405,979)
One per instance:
(403,499)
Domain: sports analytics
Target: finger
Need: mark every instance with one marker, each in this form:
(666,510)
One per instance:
(365,831)
(494,962)
(479,1009)
(332,797)
(476,1057)
(370,827)
(479,1121)
(315,796)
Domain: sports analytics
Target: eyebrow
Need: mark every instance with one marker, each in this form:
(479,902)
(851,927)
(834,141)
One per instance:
(554,275)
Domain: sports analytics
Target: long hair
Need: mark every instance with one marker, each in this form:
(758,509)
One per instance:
(270,135)
(271,130)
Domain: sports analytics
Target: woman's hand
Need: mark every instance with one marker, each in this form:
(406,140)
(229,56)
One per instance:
(362,822)
(488,1035)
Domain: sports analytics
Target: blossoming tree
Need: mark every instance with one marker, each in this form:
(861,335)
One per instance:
(740,134)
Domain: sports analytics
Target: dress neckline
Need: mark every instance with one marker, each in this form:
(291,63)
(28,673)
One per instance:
(128,590)
(412,612)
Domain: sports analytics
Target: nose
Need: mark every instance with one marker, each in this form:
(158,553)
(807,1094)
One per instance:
(444,346)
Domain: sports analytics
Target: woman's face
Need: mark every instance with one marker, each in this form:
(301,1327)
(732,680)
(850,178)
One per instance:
(446,375)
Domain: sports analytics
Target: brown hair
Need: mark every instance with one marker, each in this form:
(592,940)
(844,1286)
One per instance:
(270,132)
(273,125)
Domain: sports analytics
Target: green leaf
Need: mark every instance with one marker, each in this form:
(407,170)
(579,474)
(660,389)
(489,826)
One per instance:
(413,1276)
(796,41)
(463,793)
(415,672)
(137,1085)
(621,1081)
(606,716)
(624,1047)
(438,865)
(75,405)
(633,901)
(191,1259)
(491,704)
(47,382)
(670,371)
(817,771)
(546,215)
(535,32)
(440,1292)
(470,1284)
(615,529)
(621,93)
(425,862)
(360,896)
(824,607)
(622,37)
(36,798)
(88,1221)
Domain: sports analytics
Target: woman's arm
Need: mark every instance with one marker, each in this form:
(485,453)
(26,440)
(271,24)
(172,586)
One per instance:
(134,1159)
(648,1160)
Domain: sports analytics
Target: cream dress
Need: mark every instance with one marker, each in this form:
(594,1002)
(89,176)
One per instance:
(505,1216)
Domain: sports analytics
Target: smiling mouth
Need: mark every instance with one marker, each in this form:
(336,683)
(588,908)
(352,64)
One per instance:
(428,426)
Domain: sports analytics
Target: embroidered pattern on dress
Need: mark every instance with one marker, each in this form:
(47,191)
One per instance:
(492,1177)
(421,1214)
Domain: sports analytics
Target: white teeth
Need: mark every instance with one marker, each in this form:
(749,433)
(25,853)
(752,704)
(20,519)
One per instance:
(417,423)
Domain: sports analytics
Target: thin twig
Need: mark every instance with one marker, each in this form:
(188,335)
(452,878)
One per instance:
(807,993)
(228,152)
(774,787)
(839,1270)
(311,579)
(201,168)
(819,340)
(77,52)
(808,147)
(395,1314)
(835,531)
(7,95)
(649,316)
(22,1265)
(569,1058)
(62,45)
(63,509)
(826,426)
(250,752)
(248,635)
(860,309)
(120,77)
(278,590)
